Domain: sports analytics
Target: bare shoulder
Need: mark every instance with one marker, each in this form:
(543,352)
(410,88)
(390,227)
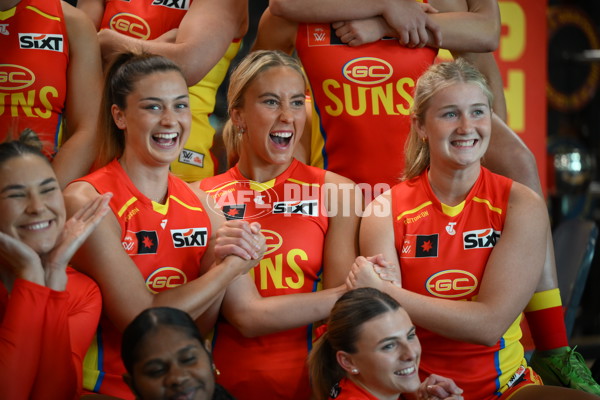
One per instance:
(521,194)
(79,193)
(79,25)
(74,15)
(332,177)
(208,203)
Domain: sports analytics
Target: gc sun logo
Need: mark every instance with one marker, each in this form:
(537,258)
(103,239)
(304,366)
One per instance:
(450,228)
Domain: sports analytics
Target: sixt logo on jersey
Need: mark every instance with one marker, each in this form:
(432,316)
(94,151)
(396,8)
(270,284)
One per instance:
(367,70)
(15,77)
(176,4)
(142,242)
(480,239)
(41,41)
(165,278)
(307,207)
(191,237)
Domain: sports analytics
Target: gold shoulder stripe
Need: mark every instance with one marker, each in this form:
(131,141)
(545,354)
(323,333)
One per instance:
(487,203)
(303,183)
(43,14)
(221,187)
(193,208)
(414,210)
(126,206)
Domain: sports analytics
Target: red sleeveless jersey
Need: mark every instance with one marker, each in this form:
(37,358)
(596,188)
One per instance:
(443,252)
(292,215)
(361,101)
(166,242)
(33,70)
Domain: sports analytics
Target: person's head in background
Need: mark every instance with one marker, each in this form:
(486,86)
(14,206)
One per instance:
(266,92)
(145,103)
(440,79)
(31,203)
(371,341)
(165,356)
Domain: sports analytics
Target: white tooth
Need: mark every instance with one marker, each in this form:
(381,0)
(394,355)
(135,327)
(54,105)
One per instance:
(406,371)
(467,143)
(165,135)
(282,134)
(39,225)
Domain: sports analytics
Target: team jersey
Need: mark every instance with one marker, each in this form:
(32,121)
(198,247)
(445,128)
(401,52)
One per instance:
(443,253)
(33,70)
(147,20)
(165,241)
(361,102)
(290,210)
(55,333)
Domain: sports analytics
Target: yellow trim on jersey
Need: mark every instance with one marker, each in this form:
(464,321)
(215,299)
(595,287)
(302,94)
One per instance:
(8,13)
(510,357)
(487,202)
(126,206)
(414,210)
(193,208)
(43,14)
(260,186)
(91,371)
(546,299)
(303,183)
(453,211)
(221,187)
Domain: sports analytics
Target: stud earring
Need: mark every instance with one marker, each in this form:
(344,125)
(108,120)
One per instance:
(354,371)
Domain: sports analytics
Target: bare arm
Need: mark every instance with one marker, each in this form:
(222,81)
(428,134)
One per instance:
(464,27)
(408,18)
(275,33)
(94,9)
(102,257)
(254,315)
(203,36)
(84,83)
(521,248)
(344,203)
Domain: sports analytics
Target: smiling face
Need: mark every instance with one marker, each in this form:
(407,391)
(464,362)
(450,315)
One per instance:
(387,357)
(172,366)
(457,125)
(157,118)
(31,203)
(273,117)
